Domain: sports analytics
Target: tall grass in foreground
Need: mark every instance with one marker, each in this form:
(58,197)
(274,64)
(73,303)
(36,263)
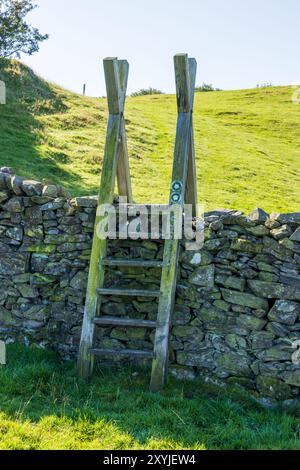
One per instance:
(43,405)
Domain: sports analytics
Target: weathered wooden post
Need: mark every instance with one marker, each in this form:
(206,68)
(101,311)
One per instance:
(115,162)
(183,189)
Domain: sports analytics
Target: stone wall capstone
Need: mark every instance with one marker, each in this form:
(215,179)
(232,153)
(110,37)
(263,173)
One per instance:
(237,311)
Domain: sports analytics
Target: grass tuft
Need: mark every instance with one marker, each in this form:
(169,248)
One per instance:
(45,406)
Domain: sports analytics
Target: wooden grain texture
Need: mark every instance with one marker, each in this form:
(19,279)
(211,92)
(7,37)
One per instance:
(183,83)
(138,263)
(181,153)
(125,322)
(193,73)
(191,196)
(123,170)
(113,87)
(123,67)
(123,352)
(129,292)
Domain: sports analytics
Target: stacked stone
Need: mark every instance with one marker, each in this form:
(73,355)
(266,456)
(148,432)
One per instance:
(139,308)
(45,242)
(45,247)
(237,310)
(241,295)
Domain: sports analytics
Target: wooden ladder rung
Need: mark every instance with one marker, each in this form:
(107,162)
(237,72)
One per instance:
(127,322)
(129,292)
(123,352)
(133,262)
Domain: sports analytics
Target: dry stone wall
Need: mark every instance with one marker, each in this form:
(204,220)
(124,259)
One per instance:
(237,312)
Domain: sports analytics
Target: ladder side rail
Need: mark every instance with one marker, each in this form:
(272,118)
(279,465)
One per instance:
(191,196)
(123,170)
(106,192)
(185,72)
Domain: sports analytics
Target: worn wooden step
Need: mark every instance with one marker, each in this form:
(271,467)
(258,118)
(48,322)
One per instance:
(129,292)
(127,322)
(133,262)
(133,208)
(123,352)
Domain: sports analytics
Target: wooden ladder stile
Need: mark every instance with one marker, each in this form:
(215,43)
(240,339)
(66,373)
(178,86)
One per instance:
(183,190)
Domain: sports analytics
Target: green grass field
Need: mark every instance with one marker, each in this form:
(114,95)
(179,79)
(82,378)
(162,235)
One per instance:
(247,147)
(43,405)
(247,142)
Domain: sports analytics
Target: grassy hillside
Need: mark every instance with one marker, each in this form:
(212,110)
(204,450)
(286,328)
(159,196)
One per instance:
(247,142)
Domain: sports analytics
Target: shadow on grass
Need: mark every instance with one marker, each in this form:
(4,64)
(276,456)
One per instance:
(22,143)
(41,395)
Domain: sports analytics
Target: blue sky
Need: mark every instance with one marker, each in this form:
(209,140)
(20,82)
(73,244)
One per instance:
(237,43)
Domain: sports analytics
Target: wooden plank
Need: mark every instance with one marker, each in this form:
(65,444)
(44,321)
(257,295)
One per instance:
(99,251)
(183,83)
(123,352)
(192,73)
(184,123)
(123,170)
(133,262)
(99,246)
(129,292)
(109,168)
(181,153)
(123,67)
(112,80)
(126,322)
(140,207)
(191,196)
(177,195)
(165,308)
